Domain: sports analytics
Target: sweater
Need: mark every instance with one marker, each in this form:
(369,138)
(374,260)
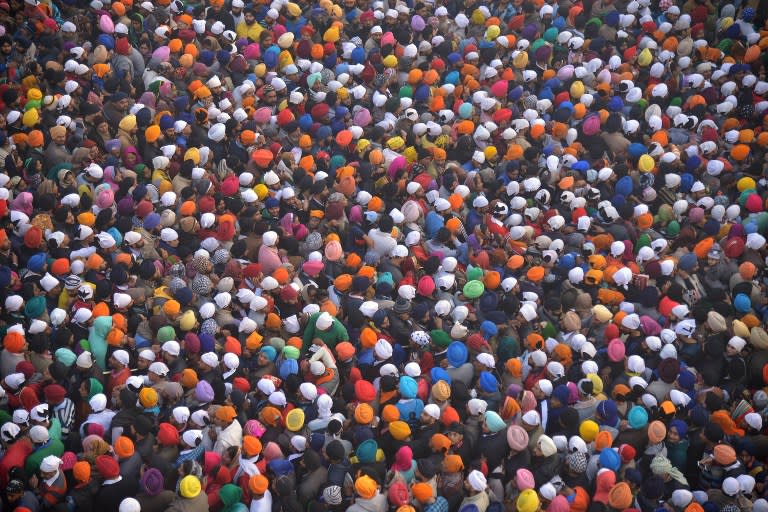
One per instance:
(336,334)
(52,447)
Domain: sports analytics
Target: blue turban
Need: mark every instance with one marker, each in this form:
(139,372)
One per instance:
(208,343)
(358,55)
(610,459)
(281,467)
(494,421)
(268,350)
(637,417)
(457,354)
(143,117)
(438,373)
(741,303)
(489,329)
(107,41)
(624,186)
(681,426)
(636,150)
(488,382)
(366,451)
(288,367)
(408,387)
(36,262)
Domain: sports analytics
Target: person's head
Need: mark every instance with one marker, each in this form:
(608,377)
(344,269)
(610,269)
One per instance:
(14,490)
(746,451)
(117,361)
(224,416)
(270,95)
(59,136)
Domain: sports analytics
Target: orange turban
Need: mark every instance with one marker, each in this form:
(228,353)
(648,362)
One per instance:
(368,338)
(14,342)
(171,307)
(390,413)
(535,274)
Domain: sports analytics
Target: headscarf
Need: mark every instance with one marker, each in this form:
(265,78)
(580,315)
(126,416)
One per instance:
(660,465)
(23,203)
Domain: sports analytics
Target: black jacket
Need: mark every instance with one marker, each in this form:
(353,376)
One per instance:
(494,448)
(109,497)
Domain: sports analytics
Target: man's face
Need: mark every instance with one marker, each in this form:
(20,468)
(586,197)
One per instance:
(250,19)
(270,98)
(455,437)
(60,138)
(13,497)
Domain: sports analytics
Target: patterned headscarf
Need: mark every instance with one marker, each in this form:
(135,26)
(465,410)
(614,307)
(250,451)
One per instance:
(202,285)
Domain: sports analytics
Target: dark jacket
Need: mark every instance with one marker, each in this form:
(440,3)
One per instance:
(337,473)
(544,468)
(109,497)
(494,448)
(157,503)
(82,496)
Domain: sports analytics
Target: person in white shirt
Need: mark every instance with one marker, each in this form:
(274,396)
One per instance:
(261,497)
(229,432)
(380,240)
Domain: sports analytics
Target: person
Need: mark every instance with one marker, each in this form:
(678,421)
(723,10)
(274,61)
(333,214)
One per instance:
(380,256)
(189,498)
(52,484)
(229,432)
(114,487)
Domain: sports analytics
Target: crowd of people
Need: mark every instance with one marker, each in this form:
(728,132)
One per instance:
(383,256)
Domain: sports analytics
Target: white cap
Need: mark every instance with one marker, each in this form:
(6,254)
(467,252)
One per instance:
(324,321)
(231,361)
(84,360)
(383,349)
(432,410)
(754,420)
(50,464)
(317,368)
(531,418)
(486,360)
(98,402)
(210,359)
(39,412)
(121,356)
(171,347)
(181,414)
(130,504)
(147,355)
(159,368)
